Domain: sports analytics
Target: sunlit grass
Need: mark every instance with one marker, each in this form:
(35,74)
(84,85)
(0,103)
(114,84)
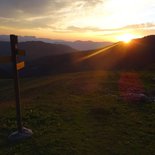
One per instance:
(79,113)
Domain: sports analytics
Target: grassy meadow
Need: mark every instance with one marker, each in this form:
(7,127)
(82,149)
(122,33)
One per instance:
(78,114)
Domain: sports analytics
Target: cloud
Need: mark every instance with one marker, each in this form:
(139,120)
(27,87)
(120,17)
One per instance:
(84,29)
(42,13)
(96,29)
(23,24)
(140,26)
(12,8)
(21,8)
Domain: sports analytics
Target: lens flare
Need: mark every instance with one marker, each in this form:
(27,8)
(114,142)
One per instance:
(126,37)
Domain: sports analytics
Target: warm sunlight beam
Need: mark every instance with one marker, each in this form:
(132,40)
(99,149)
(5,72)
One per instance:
(105,49)
(126,38)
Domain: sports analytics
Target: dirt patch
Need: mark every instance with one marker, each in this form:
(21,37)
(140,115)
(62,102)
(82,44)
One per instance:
(131,87)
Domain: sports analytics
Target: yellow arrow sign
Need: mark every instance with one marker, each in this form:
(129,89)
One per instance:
(20,65)
(5,59)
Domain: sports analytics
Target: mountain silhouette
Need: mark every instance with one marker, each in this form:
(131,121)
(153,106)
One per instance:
(34,50)
(37,49)
(78,45)
(137,55)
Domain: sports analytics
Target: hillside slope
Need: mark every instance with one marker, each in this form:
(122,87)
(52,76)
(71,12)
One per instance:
(34,51)
(37,49)
(40,49)
(138,55)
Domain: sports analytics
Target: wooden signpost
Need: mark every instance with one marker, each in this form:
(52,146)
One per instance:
(21,132)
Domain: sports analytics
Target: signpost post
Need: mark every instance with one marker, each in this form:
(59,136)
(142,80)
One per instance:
(22,132)
(13,41)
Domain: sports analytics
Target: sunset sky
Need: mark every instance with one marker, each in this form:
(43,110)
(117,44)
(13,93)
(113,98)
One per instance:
(97,20)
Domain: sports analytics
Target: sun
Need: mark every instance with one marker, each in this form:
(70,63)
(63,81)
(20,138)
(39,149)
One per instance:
(126,38)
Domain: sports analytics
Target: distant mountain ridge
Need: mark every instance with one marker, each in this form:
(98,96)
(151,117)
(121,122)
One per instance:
(37,49)
(78,45)
(34,50)
(137,55)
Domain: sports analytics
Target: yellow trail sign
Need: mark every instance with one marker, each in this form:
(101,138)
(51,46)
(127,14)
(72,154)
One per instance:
(5,59)
(20,65)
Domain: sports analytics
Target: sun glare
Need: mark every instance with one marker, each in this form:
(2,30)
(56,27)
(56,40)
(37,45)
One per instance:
(126,38)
